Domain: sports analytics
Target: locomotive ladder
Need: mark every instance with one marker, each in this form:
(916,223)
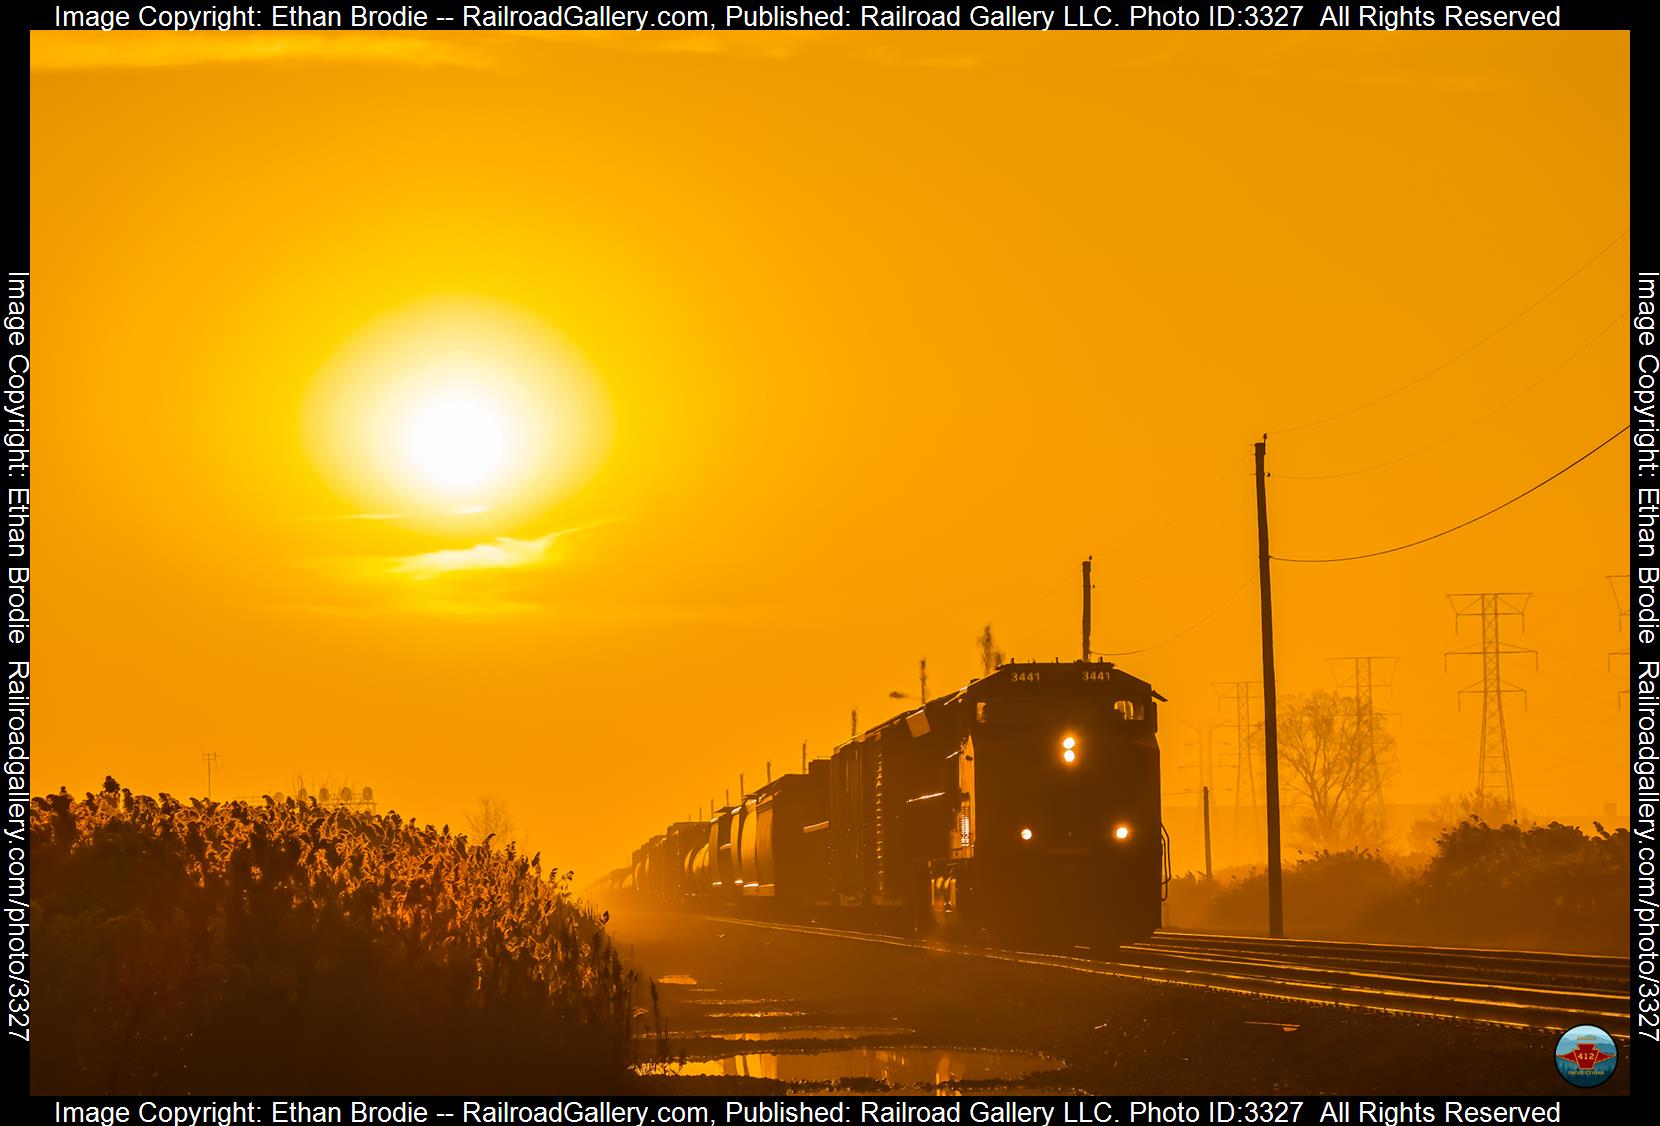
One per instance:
(881,822)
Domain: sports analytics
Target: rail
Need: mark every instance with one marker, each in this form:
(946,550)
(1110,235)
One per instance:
(1517,989)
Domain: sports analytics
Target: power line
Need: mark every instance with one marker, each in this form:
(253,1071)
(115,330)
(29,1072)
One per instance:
(1176,636)
(1443,365)
(1174,519)
(1566,360)
(1209,533)
(1466,523)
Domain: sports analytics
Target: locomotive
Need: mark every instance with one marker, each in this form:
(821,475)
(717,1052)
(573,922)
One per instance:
(1022,808)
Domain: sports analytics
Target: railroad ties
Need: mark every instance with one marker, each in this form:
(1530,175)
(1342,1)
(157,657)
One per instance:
(1518,989)
(1526,989)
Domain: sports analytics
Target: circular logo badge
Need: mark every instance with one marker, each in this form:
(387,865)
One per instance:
(1586,1056)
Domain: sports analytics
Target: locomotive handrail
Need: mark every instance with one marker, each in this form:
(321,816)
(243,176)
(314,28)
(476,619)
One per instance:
(1164,882)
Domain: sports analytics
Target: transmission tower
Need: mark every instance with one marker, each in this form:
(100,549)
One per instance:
(1361,676)
(1495,784)
(1621,586)
(1206,747)
(1246,696)
(212,760)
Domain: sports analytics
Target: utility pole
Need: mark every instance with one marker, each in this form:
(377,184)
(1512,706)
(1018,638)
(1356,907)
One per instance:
(1204,798)
(1088,586)
(1495,784)
(212,760)
(1207,770)
(1270,721)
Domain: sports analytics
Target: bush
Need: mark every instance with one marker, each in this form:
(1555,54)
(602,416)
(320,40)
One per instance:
(1550,887)
(210,948)
(1547,887)
(1327,895)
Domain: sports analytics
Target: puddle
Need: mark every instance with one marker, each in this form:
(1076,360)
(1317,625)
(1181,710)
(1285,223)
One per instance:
(897,1068)
(781,1034)
(810,1034)
(677,979)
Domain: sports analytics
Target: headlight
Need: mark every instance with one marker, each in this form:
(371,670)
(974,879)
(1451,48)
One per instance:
(1069,749)
(1121,833)
(1025,834)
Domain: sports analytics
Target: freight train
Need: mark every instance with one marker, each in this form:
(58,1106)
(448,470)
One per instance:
(1022,808)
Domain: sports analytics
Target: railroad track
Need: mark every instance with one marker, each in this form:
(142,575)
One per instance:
(1518,989)
(1520,967)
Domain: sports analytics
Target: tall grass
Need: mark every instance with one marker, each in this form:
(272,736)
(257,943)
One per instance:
(280,947)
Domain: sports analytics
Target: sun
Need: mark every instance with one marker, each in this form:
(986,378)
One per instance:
(455,407)
(457,442)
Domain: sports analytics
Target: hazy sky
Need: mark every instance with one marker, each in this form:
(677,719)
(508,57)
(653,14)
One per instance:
(877,337)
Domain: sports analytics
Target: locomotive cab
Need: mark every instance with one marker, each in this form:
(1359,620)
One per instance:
(1059,835)
(1023,808)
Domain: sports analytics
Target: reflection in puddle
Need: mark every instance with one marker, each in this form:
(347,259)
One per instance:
(677,979)
(899,1068)
(809,1034)
(735,1014)
(779,1034)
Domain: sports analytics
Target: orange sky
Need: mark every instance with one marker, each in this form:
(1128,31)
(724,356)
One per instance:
(890,332)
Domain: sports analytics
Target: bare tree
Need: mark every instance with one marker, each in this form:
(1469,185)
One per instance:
(1338,761)
(491,817)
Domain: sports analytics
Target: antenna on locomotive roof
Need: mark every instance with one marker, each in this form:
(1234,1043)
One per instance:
(769,772)
(855,723)
(1088,586)
(804,756)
